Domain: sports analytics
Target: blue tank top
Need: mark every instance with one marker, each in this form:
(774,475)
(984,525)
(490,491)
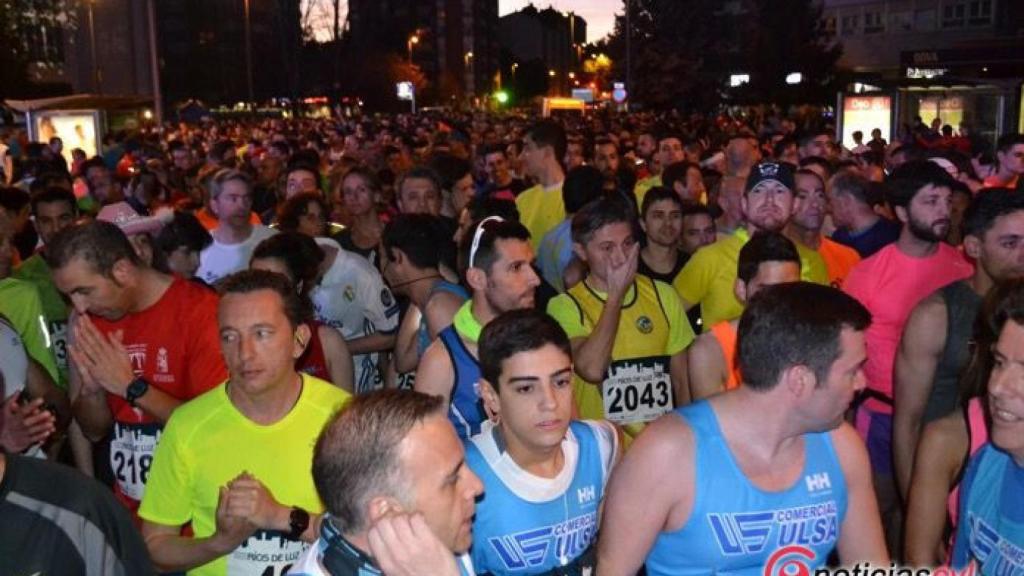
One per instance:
(465,408)
(529,525)
(422,333)
(737,528)
(991,528)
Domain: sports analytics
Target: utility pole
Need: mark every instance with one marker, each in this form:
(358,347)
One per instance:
(629,51)
(97,77)
(154,64)
(248,53)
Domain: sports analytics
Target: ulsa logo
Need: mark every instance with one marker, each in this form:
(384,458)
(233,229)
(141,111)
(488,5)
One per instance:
(818,482)
(586,494)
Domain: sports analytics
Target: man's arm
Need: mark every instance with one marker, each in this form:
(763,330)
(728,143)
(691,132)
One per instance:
(376,342)
(937,462)
(339,361)
(924,338)
(103,363)
(172,552)
(706,367)
(680,381)
(860,536)
(639,503)
(405,357)
(435,374)
(440,311)
(592,354)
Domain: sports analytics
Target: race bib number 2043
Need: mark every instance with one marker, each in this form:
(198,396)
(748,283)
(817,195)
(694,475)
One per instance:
(637,390)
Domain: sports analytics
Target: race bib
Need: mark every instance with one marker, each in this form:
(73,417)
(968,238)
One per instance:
(637,390)
(265,553)
(59,340)
(131,455)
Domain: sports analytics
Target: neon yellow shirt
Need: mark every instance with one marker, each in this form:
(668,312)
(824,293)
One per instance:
(540,210)
(19,302)
(55,309)
(709,277)
(652,328)
(208,442)
(642,186)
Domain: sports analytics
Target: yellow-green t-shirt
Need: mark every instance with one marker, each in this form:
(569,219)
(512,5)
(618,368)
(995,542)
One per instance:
(642,186)
(709,277)
(540,210)
(652,328)
(55,309)
(208,442)
(20,303)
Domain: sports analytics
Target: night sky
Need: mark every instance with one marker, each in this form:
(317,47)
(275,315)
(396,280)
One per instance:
(599,14)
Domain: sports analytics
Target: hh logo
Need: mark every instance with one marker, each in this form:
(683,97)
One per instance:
(586,494)
(818,482)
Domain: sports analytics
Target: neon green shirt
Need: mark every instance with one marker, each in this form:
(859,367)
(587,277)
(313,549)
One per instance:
(709,277)
(540,210)
(208,442)
(641,188)
(19,302)
(55,309)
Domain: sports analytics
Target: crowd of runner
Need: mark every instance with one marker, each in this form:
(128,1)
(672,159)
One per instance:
(495,344)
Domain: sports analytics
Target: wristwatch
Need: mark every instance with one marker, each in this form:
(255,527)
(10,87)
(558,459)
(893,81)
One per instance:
(137,389)
(298,521)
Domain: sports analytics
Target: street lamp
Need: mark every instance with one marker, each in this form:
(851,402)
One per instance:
(413,40)
(551,73)
(514,66)
(467,58)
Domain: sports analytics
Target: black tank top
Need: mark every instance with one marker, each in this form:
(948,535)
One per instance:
(962,304)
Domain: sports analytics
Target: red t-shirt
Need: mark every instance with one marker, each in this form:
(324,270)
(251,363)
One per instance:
(175,345)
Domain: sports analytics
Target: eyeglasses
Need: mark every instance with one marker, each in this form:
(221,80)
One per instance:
(479,234)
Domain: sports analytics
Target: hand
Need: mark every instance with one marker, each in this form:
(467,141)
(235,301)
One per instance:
(248,498)
(22,427)
(231,530)
(620,278)
(403,545)
(103,358)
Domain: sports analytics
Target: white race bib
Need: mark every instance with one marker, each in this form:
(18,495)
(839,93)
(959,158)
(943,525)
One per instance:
(637,390)
(131,455)
(265,553)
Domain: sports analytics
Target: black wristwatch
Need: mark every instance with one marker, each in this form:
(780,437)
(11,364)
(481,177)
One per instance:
(137,389)
(298,521)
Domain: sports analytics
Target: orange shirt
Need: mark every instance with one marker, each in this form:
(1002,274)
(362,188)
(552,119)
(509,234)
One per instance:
(726,336)
(209,221)
(993,182)
(839,260)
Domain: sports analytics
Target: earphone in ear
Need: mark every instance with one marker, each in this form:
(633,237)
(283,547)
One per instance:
(299,341)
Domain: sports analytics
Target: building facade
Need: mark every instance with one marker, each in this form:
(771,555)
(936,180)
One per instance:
(454,43)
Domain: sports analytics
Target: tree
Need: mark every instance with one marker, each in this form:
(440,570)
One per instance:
(683,51)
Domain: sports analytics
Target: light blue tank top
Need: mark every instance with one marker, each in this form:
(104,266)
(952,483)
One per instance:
(737,528)
(991,528)
(528,525)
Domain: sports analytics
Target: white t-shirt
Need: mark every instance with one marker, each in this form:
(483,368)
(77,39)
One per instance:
(220,260)
(353,298)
